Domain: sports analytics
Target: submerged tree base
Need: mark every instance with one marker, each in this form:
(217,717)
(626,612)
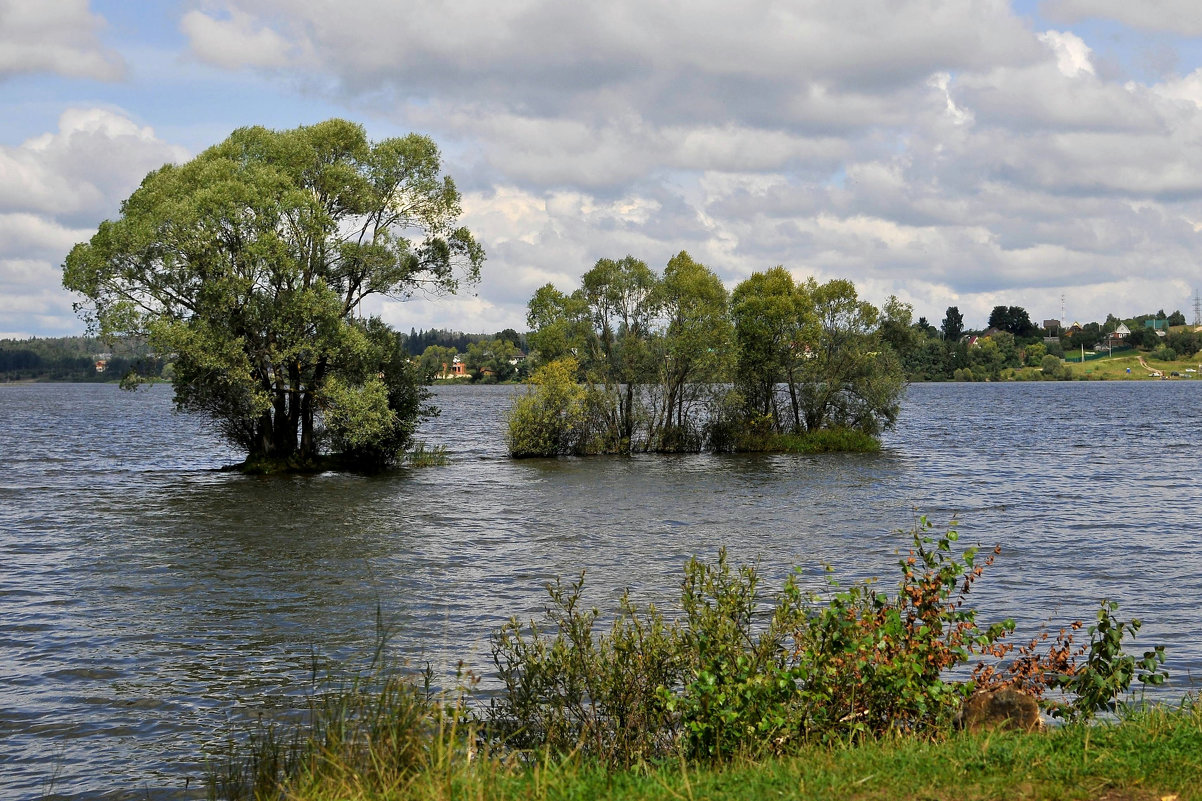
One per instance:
(269,466)
(420,455)
(823,440)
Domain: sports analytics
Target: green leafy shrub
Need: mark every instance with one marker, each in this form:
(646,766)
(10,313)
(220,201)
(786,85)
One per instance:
(557,416)
(421,455)
(874,663)
(568,689)
(1108,671)
(1086,687)
(740,684)
(744,672)
(1165,354)
(1052,366)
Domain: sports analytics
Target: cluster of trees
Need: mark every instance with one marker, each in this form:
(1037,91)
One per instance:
(494,359)
(418,340)
(249,263)
(638,361)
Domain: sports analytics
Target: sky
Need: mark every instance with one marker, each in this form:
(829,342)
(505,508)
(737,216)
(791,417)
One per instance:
(969,153)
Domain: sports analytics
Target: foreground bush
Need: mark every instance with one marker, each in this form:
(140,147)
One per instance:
(742,672)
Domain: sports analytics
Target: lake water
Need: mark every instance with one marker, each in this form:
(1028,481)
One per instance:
(150,606)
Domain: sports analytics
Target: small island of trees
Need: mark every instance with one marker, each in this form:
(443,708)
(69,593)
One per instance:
(635,361)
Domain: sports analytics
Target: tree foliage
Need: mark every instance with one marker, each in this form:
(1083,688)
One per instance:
(649,345)
(696,344)
(657,353)
(1013,320)
(953,324)
(824,345)
(249,263)
(493,359)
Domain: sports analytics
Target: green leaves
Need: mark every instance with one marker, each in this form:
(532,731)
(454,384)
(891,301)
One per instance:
(821,342)
(1108,670)
(557,416)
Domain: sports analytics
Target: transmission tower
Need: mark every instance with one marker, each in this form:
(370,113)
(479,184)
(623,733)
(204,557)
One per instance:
(1197,309)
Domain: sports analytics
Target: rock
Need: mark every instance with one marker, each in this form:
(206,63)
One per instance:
(991,710)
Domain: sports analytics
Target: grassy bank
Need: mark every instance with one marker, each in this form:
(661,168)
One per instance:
(1125,367)
(1146,755)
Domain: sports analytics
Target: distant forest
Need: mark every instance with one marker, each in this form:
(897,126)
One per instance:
(78,358)
(417,341)
(75,359)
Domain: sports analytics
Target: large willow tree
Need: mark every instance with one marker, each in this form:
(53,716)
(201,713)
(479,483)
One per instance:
(249,264)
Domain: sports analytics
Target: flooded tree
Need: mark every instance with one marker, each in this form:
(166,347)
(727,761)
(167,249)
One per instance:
(811,357)
(250,262)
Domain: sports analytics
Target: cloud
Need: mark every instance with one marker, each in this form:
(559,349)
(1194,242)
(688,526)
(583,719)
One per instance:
(707,61)
(234,41)
(81,171)
(54,190)
(56,36)
(944,152)
(1072,54)
(1182,17)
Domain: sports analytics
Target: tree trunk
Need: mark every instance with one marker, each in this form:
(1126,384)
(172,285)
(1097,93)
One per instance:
(793,401)
(308,442)
(264,437)
(628,417)
(283,441)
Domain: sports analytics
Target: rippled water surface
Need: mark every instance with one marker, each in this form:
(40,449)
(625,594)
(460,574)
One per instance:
(150,606)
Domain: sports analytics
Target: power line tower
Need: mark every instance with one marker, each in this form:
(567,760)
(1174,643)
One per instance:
(1063,319)
(1197,309)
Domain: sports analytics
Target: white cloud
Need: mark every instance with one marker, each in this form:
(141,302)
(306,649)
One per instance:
(57,36)
(234,41)
(704,61)
(84,169)
(945,152)
(54,189)
(1186,88)
(1072,54)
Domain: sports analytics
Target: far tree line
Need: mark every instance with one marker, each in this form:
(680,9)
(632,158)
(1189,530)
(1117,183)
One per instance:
(950,352)
(926,352)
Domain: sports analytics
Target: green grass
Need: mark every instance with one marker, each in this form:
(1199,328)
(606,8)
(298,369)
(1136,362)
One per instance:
(1152,754)
(420,455)
(829,440)
(1115,368)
